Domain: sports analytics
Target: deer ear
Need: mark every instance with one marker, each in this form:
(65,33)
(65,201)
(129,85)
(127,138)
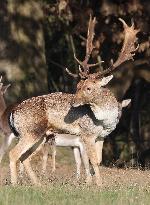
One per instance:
(105,80)
(4,88)
(125,103)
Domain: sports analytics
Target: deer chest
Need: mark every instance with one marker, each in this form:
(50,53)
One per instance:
(108,118)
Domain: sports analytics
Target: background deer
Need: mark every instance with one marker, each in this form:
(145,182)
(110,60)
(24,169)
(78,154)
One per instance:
(4,127)
(33,118)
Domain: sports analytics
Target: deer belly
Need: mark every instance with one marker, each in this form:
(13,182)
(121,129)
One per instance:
(67,140)
(57,124)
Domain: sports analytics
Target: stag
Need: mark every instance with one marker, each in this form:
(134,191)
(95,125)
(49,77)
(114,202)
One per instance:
(91,112)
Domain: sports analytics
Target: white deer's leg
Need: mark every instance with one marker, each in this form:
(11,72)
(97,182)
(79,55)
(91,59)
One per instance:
(6,143)
(45,151)
(3,148)
(99,148)
(53,146)
(91,151)
(86,163)
(78,161)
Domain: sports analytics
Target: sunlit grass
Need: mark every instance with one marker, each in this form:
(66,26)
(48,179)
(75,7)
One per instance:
(71,195)
(120,187)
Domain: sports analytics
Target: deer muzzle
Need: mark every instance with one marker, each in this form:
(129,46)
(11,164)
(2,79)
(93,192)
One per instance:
(77,101)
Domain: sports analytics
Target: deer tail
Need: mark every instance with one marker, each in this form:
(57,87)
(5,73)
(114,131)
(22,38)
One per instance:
(11,124)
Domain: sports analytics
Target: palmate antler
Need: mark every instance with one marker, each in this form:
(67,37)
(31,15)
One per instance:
(127,52)
(83,65)
(128,49)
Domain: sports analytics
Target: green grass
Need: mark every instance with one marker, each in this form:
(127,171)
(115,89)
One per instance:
(72,195)
(123,187)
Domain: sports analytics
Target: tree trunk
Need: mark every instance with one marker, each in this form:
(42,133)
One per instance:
(22,49)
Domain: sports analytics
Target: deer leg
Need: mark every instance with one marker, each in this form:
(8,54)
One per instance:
(45,151)
(86,163)
(50,142)
(53,146)
(14,156)
(21,169)
(99,148)
(38,146)
(30,172)
(91,151)
(21,150)
(6,143)
(78,161)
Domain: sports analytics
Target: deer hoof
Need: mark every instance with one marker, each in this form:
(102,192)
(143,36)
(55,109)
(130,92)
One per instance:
(99,182)
(88,180)
(53,170)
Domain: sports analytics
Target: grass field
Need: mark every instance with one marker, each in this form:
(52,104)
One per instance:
(71,195)
(120,186)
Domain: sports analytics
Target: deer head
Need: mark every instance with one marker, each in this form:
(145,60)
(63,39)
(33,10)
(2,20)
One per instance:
(2,92)
(89,89)
(90,84)
(3,88)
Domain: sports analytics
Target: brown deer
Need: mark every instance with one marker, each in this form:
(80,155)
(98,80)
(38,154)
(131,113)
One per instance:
(97,116)
(60,140)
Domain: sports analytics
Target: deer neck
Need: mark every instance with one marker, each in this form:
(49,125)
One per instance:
(2,105)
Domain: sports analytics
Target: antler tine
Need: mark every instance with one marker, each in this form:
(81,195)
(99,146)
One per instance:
(71,74)
(89,48)
(81,73)
(80,69)
(128,49)
(90,37)
(80,62)
(95,64)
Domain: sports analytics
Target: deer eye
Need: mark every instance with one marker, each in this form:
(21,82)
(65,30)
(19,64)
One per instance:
(88,89)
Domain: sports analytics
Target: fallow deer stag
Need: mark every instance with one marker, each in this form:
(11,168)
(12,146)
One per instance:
(61,113)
